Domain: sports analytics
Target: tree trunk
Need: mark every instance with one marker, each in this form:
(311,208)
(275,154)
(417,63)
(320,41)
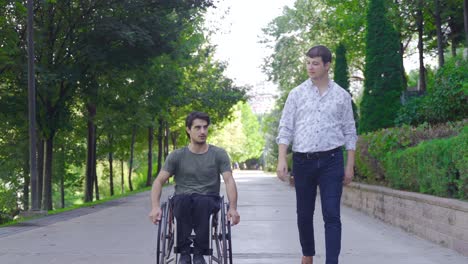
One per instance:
(111,167)
(47,187)
(160,143)
(403,74)
(149,176)
(60,161)
(62,190)
(122,176)
(90,154)
(132,146)
(27,178)
(166,140)
(422,69)
(440,37)
(40,170)
(465,19)
(174,136)
(96,184)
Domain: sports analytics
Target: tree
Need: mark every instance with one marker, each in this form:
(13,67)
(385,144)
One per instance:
(240,135)
(420,28)
(383,72)
(146,32)
(465,20)
(440,38)
(341,74)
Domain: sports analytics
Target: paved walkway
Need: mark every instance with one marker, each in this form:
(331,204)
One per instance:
(119,232)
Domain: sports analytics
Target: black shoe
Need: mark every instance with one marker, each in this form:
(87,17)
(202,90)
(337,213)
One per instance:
(198,259)
(185,259)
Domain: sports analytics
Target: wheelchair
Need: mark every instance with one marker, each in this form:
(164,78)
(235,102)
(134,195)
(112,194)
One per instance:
(220,245)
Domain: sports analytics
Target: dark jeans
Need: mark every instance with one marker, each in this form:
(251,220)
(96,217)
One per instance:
(192,212)
(325,171)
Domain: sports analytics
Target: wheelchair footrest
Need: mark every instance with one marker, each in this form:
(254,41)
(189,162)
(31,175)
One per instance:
(206,252)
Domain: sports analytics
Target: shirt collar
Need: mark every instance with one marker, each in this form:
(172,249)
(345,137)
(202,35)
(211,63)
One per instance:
(315,88)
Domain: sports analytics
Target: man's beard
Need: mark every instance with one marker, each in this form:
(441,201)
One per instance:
(201,142)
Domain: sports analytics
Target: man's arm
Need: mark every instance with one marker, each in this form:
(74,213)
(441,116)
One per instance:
(231,191)
(349,132)
(155,214)
(349,170)
(285,135)
(282,168)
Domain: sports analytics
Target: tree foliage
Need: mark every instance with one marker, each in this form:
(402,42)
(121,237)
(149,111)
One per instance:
(241,135)
(383,72)
(341,75)
(106,72)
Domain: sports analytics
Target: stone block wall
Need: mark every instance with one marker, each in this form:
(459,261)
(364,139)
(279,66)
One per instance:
(440,220)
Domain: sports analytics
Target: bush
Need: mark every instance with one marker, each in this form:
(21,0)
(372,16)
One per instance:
(460,163)
(410,113)
(436,167)
(446,98)
(372,148)
(8,205)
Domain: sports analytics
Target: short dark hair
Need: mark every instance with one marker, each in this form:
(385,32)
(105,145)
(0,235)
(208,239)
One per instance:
(196,115)
(320,51)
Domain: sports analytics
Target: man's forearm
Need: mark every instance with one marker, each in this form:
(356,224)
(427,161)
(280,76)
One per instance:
(282,151)
(350,158)
(231,191)
(156,194)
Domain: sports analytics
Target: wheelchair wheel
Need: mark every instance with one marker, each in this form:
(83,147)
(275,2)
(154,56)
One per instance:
(165,243)
(161,243)
(226,235)
(222,252)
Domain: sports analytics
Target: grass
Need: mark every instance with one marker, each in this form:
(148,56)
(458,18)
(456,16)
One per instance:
(74,207)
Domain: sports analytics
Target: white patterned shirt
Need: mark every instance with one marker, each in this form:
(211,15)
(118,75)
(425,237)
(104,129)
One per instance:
(314,122)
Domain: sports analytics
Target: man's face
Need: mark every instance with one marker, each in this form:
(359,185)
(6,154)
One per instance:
(316,69)
(198,132)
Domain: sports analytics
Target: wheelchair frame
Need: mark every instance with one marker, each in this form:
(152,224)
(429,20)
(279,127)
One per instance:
(220,250)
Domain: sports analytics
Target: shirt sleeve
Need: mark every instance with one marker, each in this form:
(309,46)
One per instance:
(286,124)
(170,163)
(348,125)
(224,162)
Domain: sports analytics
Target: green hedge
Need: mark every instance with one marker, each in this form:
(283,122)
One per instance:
(437,167)
(426,159)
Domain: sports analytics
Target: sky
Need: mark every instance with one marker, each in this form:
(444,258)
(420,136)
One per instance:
(239,33)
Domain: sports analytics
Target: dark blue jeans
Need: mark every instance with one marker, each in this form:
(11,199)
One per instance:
(192,212)
(325,171)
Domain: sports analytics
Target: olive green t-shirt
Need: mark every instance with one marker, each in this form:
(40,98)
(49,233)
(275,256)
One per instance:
(197,173)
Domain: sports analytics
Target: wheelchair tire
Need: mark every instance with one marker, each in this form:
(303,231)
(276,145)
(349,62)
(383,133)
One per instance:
(229,240)
(162,236)
(224,244)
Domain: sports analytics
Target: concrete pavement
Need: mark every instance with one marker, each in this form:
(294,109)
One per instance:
(119,232)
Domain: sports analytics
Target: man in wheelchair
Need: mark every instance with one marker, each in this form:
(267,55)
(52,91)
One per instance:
(196,169)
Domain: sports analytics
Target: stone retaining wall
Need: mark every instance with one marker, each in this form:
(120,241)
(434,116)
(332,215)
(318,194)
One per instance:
(440,220)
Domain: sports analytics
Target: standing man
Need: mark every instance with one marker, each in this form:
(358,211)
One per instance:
(318,120)
(197,169)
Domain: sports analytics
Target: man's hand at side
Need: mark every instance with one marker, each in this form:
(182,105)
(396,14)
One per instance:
(282,169)
(155,215)
(233,216)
